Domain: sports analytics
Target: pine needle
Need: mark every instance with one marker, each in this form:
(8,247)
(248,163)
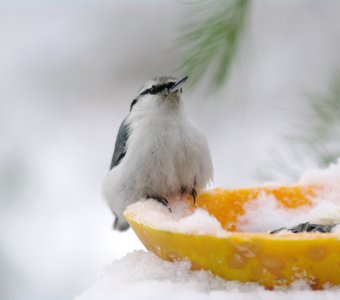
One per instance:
(211,38)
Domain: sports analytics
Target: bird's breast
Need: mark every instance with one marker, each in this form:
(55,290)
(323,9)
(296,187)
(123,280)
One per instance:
(163,156)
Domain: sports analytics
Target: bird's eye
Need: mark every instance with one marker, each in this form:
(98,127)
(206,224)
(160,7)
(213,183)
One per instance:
(149,91)
(153,90)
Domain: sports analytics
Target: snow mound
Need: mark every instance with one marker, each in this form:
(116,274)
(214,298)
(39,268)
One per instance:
(329,177)
(144,276)
(265,213)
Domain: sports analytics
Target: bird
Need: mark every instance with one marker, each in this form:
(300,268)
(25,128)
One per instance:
(159,152)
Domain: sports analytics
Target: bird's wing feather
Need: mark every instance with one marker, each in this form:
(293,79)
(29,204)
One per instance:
(120,147)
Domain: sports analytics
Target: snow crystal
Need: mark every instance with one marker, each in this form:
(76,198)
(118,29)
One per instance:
(144,276)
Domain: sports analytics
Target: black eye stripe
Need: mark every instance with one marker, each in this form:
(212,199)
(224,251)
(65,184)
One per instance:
(153,90)
(157,88)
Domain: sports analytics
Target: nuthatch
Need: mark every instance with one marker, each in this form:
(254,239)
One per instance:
(159,151)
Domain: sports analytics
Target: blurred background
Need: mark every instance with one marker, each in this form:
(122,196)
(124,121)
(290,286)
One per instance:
(265,89)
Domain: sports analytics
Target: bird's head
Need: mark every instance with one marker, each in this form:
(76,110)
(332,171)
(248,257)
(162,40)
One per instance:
(160,92)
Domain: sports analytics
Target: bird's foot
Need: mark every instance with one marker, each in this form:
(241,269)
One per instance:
(162,200)
(194,195)
(120,224)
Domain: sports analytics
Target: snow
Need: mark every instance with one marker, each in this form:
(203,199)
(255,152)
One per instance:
(266,214)
(141,275)
(182,218)
(329,177)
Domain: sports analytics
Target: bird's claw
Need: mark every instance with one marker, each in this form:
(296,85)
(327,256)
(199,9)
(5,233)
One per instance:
(194,195)
(161,200)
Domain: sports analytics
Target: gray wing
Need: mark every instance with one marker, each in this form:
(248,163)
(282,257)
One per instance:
(120,147)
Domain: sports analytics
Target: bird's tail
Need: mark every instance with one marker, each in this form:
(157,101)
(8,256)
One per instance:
(120,224)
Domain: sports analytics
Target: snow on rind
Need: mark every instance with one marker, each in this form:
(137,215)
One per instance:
(180,219)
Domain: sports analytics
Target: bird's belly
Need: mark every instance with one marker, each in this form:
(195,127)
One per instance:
(166,171)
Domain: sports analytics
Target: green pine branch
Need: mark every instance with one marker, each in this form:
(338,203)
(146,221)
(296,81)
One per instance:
(211,37)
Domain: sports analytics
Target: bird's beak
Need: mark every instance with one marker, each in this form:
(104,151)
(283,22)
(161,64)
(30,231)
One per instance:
(178,85)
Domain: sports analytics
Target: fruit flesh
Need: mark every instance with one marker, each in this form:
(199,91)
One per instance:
(228,205)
